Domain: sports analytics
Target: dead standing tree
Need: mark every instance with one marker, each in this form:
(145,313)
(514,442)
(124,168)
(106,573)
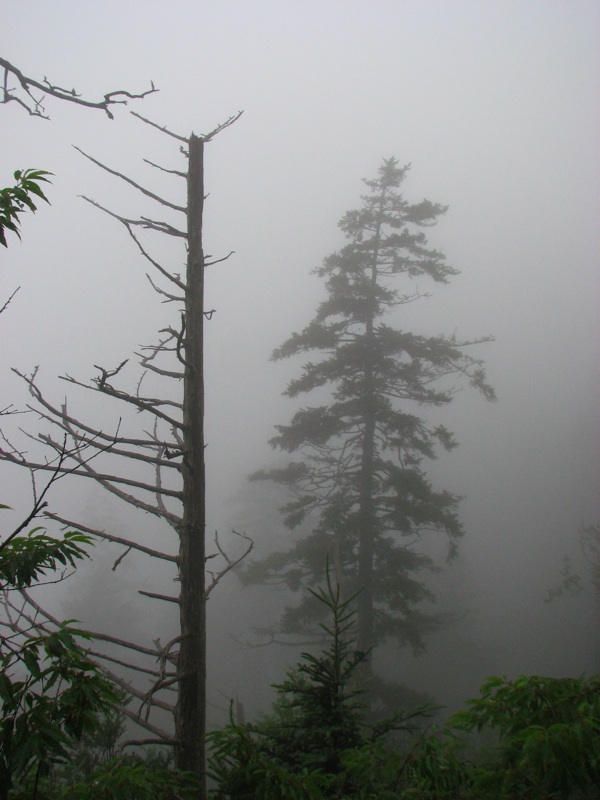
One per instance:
(172,447)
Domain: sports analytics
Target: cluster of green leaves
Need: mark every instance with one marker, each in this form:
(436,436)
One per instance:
(15,199)
(59,717)
(51,693)
(49,689)
(549,737)
(32,556)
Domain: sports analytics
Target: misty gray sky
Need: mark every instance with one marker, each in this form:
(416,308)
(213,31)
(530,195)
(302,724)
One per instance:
(495,104)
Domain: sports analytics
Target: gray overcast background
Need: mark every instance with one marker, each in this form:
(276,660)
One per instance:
(495,104)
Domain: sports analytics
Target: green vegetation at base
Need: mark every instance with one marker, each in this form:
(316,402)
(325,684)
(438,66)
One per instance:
(317,744)
(61,727)
(59,717)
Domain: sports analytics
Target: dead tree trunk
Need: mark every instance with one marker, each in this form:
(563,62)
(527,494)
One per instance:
(191,664)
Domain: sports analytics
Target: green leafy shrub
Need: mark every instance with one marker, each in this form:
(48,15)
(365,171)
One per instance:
(131,778)
(548,737)
(316,743)
(50,691)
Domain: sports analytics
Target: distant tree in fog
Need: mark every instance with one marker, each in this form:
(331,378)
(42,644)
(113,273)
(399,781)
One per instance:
(571,580)
(361,477)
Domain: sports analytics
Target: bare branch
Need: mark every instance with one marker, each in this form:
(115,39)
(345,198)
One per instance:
(180,341)
(39,503)
(149,551)
(230,563)
(86,472)
(208,136)
(136,693)
(37,109)
(55,467)
(144,404)
(205,137)
(9,410)
(134,667)
(164,169)
(144,222)
(105,374)
(107,481)
(7,302)
(160,127)
(218,260)
(121,557)
(155,596)
(176,279)
(171,298)
(61,418)
(164,736)
(131,182)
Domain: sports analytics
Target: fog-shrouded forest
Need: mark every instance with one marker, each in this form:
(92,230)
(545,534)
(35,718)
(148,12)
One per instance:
(493,107)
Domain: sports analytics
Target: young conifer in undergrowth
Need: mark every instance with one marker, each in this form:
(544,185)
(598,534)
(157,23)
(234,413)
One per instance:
(358,476)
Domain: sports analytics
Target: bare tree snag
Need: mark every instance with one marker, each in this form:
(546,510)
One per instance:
(160,471)
(190,713)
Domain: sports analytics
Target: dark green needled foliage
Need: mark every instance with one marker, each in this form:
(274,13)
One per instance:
(358,479)
(316,743)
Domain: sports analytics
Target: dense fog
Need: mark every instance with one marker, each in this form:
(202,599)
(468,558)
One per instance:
(495,105)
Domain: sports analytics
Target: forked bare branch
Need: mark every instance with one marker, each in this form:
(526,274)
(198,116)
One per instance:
(230,563)
(34,106)
(131,182)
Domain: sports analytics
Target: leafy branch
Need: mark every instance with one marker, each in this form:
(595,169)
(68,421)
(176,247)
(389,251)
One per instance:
(16,199)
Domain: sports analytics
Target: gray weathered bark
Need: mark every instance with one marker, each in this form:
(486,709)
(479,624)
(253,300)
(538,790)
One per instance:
(191,662)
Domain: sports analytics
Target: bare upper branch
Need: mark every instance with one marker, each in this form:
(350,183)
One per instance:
(206,137)
(131,182)
(162,128)
(34,105)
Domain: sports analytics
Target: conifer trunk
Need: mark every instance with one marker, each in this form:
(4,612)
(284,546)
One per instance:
(364,631)
(367,525)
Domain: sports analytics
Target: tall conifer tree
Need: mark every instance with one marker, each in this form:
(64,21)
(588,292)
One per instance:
(361,481)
